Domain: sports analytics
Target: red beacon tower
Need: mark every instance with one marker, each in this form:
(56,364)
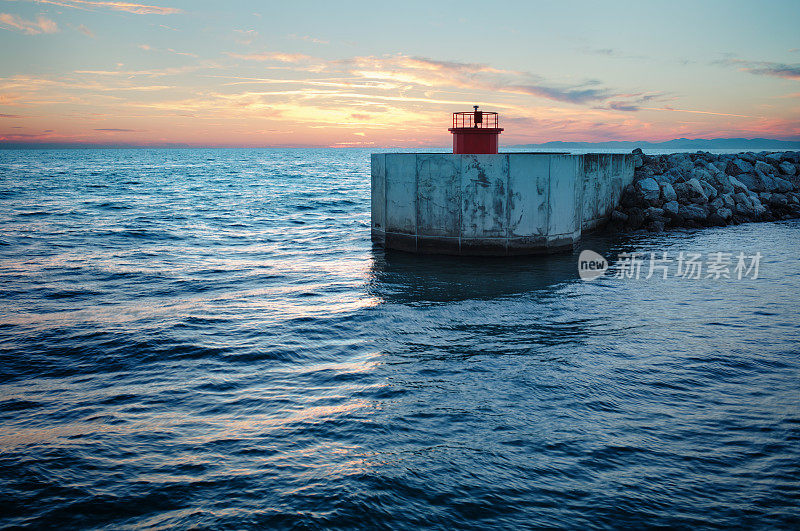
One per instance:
(475,132)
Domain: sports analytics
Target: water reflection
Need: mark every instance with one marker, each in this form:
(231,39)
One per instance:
(396,276)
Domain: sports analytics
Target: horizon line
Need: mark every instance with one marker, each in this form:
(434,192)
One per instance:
(14,144)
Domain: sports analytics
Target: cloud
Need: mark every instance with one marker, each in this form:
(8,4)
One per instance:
(599,51)
(139,9)
(477,76)
(272,56)
(117,130)
(28,27)
(10,116)
(86,31)
(308,38)
(764,68)
(564,94)
(776,70)
(623,106)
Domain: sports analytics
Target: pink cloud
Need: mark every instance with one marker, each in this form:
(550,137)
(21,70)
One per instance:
(28,27)
(139,9)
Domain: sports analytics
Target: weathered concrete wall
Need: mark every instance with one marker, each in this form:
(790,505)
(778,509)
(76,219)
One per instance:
(516,203)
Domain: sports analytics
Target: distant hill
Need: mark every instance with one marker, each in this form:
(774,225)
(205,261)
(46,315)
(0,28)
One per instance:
(748,144)
(678,143)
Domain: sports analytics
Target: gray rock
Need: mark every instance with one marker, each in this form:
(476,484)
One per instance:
(763,167)
(673,175)
(777,200)
(635,218)
(701,174)
(728,201)
(671,208)
(709,190)
(696,191)
(693,212)
(715,220)
(782,185)
(741,197)
(749,157)
(774,158)
(738,186)
(619,217)
(668,192)
(787,168)
(745,209)
(721,182)
(725,213)
(737,167)
(751,181)
(654,213)
(768,183)
(649,189)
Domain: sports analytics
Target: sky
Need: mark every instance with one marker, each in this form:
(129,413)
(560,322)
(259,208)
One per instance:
(369,74)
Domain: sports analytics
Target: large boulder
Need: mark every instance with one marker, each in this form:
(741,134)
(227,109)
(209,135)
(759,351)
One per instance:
(619,217)
(671,209)
(635,218)
(727,201)
(649,189)
(738,166)
(721,182)
(745,209)
(725,213)
(668,192)
(737,185)
(763,167)
(776,200)
(782,185)
(690,192)
(753,182)
(673,175)
(774,158)
(697,213)
(787,168)
(655,214)
(638,158)
(748,156)
(709,190)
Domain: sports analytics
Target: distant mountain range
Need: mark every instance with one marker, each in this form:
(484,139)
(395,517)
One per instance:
(678,143)
(751,144)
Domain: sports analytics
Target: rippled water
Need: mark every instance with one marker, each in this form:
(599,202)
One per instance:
(194,338)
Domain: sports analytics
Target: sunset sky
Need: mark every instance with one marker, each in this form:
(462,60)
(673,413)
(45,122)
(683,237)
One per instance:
(298,73)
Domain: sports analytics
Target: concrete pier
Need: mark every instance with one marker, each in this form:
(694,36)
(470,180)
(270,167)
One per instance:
(498,205)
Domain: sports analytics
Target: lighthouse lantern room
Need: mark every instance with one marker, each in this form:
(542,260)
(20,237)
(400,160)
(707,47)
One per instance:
(475,132)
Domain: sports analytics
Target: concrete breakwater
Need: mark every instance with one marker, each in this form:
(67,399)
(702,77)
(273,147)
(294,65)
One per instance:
(492,204)
(704,189)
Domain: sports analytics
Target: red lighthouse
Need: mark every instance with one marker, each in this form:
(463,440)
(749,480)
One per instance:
(475,132)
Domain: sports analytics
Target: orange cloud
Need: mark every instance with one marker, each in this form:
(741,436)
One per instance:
(272,56)
(28,27)
(139,9)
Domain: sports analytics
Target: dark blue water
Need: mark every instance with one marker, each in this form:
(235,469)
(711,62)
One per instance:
(195,338)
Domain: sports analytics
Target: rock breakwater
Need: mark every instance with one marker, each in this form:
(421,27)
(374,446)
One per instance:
(704,189)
